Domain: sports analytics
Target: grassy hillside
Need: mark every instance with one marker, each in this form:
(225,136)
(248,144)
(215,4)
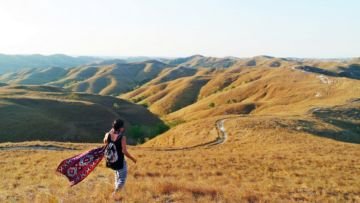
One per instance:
(170,74)
(258,85)
(340,122)
(268,91)
(264,158)
(345,120)
(166,97)
(50,113)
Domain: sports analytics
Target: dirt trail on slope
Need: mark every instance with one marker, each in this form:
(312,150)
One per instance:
(221,139)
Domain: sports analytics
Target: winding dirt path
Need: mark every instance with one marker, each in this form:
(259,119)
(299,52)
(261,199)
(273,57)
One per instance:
(221,139)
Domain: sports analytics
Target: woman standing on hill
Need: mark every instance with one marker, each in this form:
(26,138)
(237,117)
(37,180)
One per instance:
(115,151)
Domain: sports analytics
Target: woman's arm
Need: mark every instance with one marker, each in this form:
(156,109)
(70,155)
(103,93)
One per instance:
(106,138)
(124,149)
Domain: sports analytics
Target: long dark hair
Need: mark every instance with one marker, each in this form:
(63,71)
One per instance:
(117,124)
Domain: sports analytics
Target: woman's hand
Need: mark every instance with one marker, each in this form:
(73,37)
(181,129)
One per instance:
(134,160)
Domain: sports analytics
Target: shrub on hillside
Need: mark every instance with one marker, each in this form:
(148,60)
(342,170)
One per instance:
(142,133)
(174,123)
(146,105)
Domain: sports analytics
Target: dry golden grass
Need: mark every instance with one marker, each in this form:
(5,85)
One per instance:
(169,96)
(268,91)
(284,157)
(258,85)
(264,159)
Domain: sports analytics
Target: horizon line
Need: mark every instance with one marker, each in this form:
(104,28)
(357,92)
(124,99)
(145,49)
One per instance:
(186,56)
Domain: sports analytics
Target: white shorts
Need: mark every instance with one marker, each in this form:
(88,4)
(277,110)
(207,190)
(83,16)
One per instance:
(120,177)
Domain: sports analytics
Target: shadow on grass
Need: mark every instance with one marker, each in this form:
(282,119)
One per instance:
(352,71)
(346,121)
(37,147)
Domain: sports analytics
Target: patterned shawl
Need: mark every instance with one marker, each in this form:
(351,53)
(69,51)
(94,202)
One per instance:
(78,167)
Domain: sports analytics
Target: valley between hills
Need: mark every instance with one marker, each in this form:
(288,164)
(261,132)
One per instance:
(204,129)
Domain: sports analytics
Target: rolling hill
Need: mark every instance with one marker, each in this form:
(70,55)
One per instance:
(176,92)
(51,113)
(117,76)
(269,91)
(111,79)
(105,78)
(259,85)
(196,87)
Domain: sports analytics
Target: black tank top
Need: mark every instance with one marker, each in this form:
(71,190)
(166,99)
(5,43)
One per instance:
(119,164)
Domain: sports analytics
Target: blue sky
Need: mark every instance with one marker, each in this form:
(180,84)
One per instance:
(284,28)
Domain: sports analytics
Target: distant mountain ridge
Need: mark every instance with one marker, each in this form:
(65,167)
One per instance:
(112,79)
(34,76)
(11,63)
(117,76)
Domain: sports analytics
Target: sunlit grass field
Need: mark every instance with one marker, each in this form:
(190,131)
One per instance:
(263,159)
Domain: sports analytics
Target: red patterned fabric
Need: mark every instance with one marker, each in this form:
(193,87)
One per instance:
(78,167)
